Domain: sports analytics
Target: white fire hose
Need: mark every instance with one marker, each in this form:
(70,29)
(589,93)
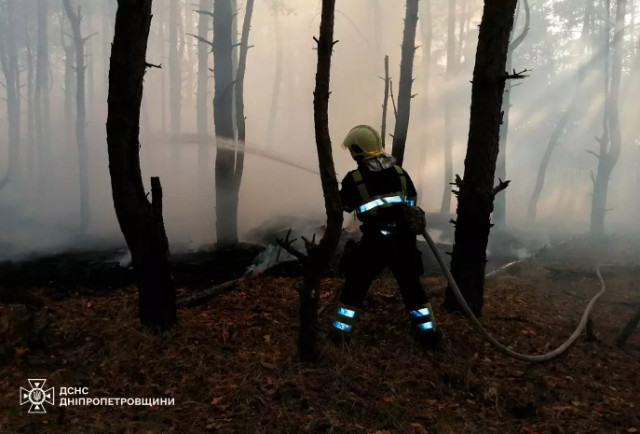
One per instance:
(524,357)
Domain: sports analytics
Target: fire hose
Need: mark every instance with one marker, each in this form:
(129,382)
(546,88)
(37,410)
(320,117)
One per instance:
(524,357)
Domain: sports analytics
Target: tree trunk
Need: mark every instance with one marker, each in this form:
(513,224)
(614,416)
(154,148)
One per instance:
(385,103)
(611,142)
(427,38)
(11,71)
(546,158)
(75,19)
(452,61)
(175,72)
(406,80)
(476,191)
(320,255)
(500,208)
(68,77)
(277,81)
(141,222)
(628,329)
(202,116)
(239,101)
(42,109)
(226,200)
(566,116)
(31,122)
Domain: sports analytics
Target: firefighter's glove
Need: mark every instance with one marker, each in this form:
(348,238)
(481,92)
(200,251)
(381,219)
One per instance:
(416,219)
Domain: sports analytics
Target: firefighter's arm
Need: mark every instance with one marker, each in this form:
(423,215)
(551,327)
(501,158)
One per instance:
(348,194)
(412,194)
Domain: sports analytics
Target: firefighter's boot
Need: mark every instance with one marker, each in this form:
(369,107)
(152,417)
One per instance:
(423,326)
(342,323)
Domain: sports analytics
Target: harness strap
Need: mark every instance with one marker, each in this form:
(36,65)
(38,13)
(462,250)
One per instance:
(403,179)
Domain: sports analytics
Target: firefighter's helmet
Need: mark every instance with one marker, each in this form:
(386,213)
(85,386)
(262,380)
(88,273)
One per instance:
(363,142)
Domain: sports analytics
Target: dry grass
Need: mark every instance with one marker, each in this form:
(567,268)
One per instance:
(230,365)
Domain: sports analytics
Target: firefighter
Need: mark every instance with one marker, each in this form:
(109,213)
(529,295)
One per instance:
(379,191)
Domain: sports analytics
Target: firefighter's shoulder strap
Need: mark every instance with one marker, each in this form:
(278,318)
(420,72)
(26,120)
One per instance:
(361,186)
(403,179)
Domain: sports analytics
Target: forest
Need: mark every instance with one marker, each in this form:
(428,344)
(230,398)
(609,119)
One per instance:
(178,245)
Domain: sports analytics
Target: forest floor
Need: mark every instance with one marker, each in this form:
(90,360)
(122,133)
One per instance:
(230,365)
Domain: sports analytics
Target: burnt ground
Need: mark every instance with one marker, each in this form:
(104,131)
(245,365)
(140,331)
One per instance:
(230,364)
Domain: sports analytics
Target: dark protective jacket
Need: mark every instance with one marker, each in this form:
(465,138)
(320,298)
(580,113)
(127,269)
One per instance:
(378,196)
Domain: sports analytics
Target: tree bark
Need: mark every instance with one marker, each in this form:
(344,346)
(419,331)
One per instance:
(141,221)
(406,80)
(226,200)
(11,71)
(476,191)
(611,141)
(320,254)
(75,19)
(452,61)
(499,217)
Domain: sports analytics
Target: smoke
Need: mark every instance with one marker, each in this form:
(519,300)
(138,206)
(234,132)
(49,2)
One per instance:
(281,181)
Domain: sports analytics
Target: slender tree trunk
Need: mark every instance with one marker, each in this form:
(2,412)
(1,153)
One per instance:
(427,37)
(202,115)
(175,72)
(141,222)
(226,201)
(42,109)
(385,102)
(611,142)
(546,158)
(628,329)
(239,100)
(566,116)
(31,167)
(406,80)
(75,19)
(476,191)
(500,208)
(277,81)
(68,77)
(320,255)
(11,71)
(452,60)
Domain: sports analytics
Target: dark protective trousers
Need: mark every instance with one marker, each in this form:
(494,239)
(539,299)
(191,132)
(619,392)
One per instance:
(376,251)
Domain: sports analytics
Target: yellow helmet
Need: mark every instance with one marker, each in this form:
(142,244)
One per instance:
(363,142)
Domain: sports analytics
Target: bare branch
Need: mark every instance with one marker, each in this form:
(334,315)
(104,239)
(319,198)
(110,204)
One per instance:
(517,75)
(593,153)
(287,245)
(502,185)
(201,39)
(203,12)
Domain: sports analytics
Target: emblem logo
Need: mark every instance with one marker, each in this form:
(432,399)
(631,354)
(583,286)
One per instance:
(37,396)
